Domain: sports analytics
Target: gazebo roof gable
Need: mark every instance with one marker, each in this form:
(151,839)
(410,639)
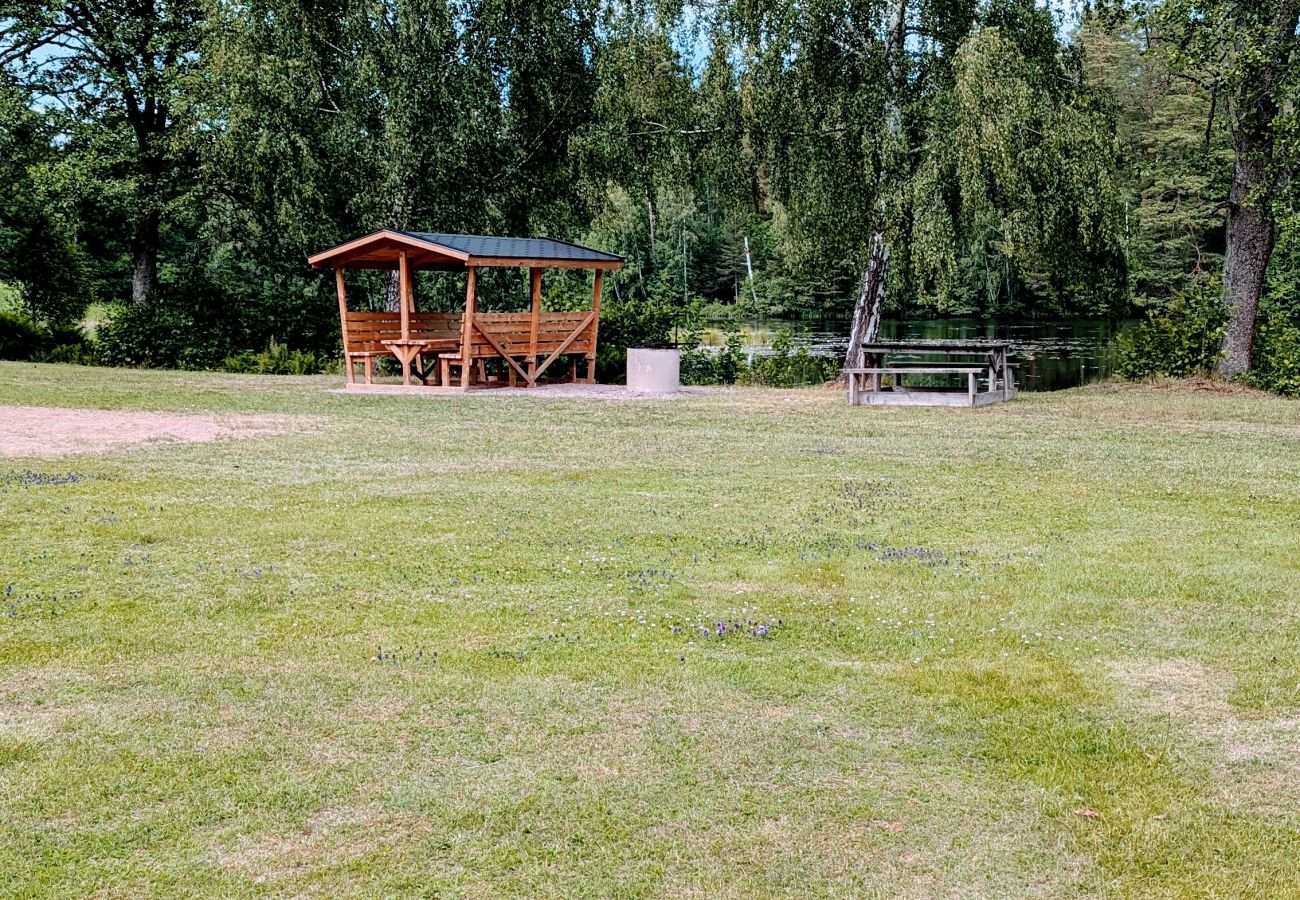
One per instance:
(430,250)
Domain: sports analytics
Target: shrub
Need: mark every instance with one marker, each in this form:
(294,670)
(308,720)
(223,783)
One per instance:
(1277,354)
(148,335)
(193,333)
(1183,339)
(20,337)
(276,359)
(71,354)
(68,344)
(789,366)
(630,323)
(724,365)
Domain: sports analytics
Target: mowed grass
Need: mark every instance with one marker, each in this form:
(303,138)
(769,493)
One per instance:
(467,646)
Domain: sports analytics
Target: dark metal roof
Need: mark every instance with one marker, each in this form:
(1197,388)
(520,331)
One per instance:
(514,248)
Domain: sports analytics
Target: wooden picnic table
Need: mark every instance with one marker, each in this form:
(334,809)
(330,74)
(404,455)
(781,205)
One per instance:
(976,359)
(407,350)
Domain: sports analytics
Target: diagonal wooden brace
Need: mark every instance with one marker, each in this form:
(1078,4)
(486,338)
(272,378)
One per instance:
(586,323)
(501,350)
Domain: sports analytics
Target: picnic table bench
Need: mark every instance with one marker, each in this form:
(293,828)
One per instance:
(977,363)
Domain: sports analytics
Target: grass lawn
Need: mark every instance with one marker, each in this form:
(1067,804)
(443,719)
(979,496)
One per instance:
(468,646)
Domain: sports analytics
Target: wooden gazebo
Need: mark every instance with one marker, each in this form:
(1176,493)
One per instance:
(427,343)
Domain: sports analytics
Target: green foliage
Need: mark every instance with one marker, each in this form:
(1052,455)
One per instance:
(186,328)
(1277,354)
(1176,163)
(20,337)
(1035,172)
(629,323)
(713,365)
(1183,339)
(789,365)
(75,354)
(147,335)
(1016,204)
(23,338)
(11,297)
(39,254)
(277,359)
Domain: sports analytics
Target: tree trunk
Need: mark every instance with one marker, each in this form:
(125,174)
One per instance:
(1252,225)
(1251,235)
(871,295)
(144,259)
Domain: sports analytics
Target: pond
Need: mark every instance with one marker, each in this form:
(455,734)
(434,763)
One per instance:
(1053,354)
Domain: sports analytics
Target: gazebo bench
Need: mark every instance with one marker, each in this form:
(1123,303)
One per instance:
(366,333)
(509,336)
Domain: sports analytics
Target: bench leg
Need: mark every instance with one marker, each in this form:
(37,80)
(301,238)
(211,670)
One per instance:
(351,365)
(368,368)
(970,387)
(591,370)
(853,390)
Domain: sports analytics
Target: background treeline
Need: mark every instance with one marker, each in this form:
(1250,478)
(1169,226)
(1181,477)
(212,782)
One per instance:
(169,164)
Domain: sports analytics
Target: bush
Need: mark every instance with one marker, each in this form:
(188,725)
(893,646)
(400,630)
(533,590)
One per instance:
(630,323)
(788,366)
(149,335)
(68,344)
(169,334)
(276,359)
(724,365)
(71,354)
(20,337)
(1183,339)
(1277,354)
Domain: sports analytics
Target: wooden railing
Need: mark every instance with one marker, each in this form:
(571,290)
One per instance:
(512,337)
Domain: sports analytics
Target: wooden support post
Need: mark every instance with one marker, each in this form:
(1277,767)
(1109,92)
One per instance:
(595,327)
(404,304)
(535,292)
(970,387)
(403,298)
(853,389)
(343,323)
(467,325)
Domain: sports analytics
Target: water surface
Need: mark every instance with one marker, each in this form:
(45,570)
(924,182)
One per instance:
(1053,354)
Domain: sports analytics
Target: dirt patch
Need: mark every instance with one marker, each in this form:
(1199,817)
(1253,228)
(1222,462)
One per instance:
(48,432)
(1256,760)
